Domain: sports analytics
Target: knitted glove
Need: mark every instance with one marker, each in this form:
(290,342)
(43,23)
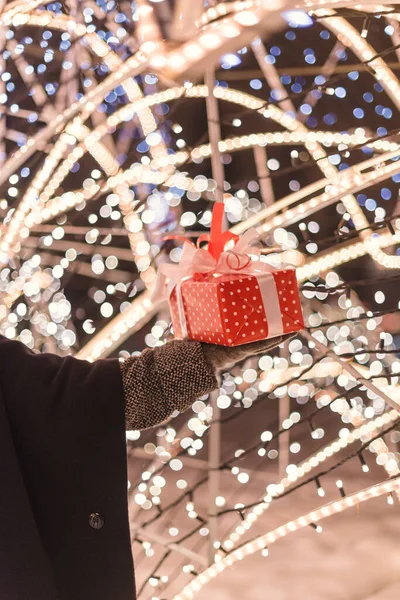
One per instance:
(221,357)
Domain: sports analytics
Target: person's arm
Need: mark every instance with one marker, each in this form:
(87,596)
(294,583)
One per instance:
(153,385)
(173,376)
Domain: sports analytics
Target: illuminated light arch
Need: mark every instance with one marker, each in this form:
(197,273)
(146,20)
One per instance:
(314,149)
(251,140)
(134,93)
(352,39)
(142,309)
(77,129)
(349,201)
(227,94)
(363,431)
(313,5)
(74,129)
(353,180)
(103,51)
(173,64)
(133,66)
(314,266)
(263,541)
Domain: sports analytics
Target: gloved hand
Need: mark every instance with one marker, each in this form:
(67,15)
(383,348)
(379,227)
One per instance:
(221,357)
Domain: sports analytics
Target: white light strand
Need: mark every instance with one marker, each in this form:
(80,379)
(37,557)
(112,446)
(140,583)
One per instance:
(263,541)
(364,432)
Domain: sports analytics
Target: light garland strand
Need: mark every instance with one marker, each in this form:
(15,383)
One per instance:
(263,541)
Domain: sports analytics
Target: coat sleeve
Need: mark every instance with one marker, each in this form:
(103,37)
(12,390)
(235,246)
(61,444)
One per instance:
(150,386)
(165,379)
(67,429)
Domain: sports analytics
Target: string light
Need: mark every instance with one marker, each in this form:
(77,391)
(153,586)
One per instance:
(320,489)
(364,465)
(259,543)
(339,485)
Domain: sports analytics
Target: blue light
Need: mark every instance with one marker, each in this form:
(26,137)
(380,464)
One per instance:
(286,79)
(290,35)
(386,194)
(50,89)
(161,109)
(275,51)
(353,75)
(387,113)
(294,185)
(319,80)
(396,178)
(366,150)
(330,119)
(381,131)
(230,60)
(142,147)
(297,18)
(324,34)
(310,59)
(305,109)
(335,159)
(316,94)
(340,92)
(358,113)
(111,97)
(311,121)
(361,199)
(378,87)
(368,97)
(296,88)
(256,84)
(370,204)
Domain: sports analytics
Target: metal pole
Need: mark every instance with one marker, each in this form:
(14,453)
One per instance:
(283,414)
(271,76)
(214,134)
(214,461)
(214,452)
(3,126)
(266,187)
(284,438)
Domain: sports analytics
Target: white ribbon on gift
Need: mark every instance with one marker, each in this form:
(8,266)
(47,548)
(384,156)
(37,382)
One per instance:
(235,261)
(181,310)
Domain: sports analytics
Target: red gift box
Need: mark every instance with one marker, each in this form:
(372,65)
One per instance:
(224,297)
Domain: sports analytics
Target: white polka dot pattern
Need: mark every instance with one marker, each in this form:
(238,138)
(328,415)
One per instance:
(229,310)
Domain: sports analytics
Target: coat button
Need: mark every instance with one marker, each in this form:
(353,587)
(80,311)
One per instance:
(96,520)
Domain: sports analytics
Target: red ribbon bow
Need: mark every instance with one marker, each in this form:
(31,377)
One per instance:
(201,263)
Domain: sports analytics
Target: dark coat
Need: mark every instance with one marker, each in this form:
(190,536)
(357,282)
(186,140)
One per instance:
(62,459)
